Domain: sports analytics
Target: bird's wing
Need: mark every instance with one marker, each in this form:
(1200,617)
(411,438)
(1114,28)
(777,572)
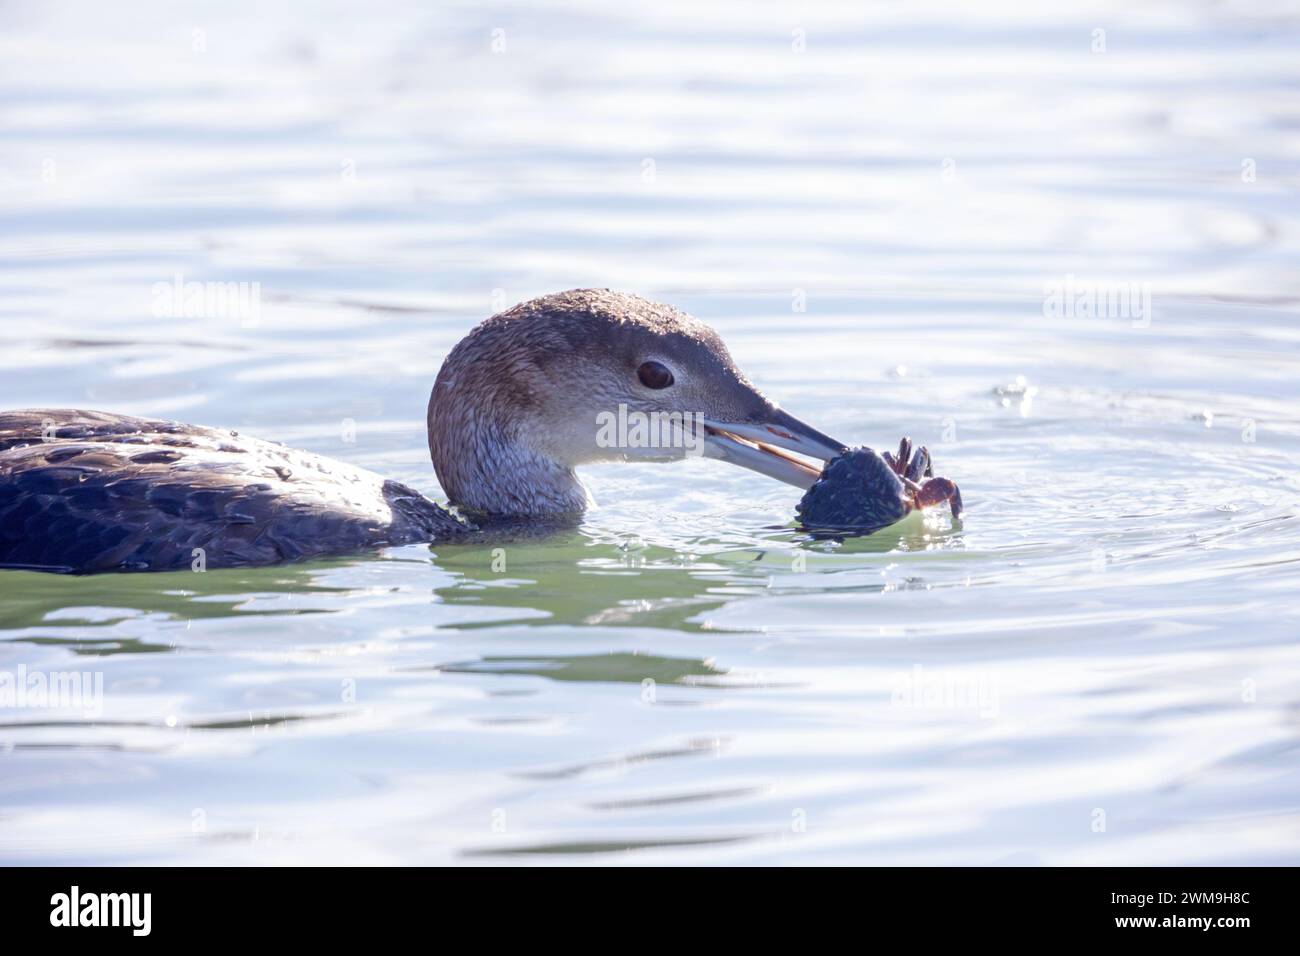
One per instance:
(84,491)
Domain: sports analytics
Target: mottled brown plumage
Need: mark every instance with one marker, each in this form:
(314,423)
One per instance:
(85,491)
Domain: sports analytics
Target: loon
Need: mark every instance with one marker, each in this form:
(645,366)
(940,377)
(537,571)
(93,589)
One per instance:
(514,411)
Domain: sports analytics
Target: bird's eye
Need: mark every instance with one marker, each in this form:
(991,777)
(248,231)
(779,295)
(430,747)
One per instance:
(654,375)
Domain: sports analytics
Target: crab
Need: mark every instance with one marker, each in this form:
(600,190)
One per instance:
(862,491)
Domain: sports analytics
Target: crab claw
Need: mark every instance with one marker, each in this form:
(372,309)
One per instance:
(933,491)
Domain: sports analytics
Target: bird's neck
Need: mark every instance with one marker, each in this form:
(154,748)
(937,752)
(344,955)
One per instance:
(486,466)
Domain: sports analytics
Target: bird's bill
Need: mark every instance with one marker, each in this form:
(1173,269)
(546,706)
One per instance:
(767,446)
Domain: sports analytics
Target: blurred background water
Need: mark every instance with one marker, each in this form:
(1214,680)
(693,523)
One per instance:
(874,204)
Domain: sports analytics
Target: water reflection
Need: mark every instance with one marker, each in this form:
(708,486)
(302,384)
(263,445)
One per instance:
(578,583)
(619,668)
(32,599)
(607,846)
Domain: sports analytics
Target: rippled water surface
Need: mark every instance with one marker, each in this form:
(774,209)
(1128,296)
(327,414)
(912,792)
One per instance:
(1098,665)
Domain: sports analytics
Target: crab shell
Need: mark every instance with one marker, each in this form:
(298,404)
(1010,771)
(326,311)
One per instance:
(857,493)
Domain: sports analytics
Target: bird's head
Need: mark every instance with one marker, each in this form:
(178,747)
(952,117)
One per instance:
(592,375)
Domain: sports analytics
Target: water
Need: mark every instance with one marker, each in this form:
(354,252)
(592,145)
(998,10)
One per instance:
(1099,665)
